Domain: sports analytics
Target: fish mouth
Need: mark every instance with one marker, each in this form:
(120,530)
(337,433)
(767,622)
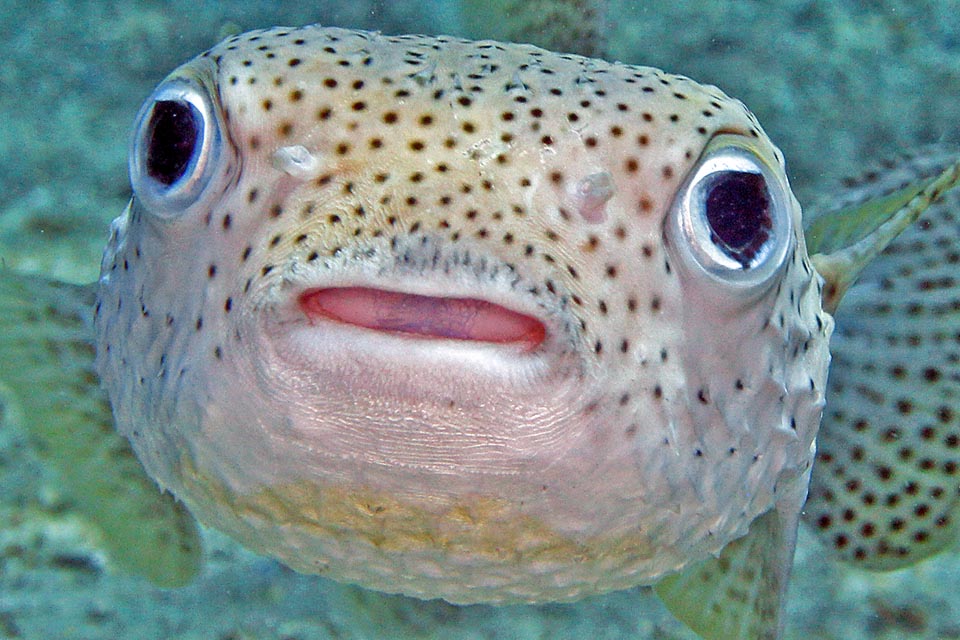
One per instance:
(470,320)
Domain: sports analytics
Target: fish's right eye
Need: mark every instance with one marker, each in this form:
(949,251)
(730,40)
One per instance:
(173,137)
(177,147)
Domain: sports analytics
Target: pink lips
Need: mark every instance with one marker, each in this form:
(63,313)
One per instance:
(466,319)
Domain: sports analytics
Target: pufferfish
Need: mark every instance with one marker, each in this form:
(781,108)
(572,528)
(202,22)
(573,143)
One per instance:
(482,322)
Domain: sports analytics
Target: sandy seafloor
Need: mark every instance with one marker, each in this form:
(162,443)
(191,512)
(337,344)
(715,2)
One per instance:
(834,83)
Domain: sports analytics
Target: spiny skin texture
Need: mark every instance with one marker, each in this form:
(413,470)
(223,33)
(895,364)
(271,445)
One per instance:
(664,410)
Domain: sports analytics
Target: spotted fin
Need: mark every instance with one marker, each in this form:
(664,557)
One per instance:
(885,490)
(52,393)
(569,26)
(856,225)
(740,593)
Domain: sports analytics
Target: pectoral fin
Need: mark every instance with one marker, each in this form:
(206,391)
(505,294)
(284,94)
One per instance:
(740,593)
(52,391)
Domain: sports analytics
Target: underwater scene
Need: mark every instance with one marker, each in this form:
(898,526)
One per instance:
(600,425)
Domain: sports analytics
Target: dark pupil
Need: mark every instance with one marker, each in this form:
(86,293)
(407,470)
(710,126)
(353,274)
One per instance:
(171,140)
(738,211)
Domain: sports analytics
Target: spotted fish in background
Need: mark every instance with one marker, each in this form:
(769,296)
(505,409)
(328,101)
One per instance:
(567,26)
(477,321)
(886,490)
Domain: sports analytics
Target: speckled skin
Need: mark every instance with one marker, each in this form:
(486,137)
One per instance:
(664,412)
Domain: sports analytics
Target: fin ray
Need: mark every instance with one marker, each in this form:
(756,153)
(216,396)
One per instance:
(845,240)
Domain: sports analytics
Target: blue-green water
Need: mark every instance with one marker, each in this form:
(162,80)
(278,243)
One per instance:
(836,85)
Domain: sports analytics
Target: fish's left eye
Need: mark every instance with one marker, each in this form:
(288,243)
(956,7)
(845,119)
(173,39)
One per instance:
(731,218)
(176,148)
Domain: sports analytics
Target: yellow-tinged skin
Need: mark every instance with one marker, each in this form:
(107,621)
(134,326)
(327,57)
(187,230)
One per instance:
(665,409)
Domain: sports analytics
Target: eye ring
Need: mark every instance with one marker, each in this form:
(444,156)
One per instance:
(731,219)
(176,148)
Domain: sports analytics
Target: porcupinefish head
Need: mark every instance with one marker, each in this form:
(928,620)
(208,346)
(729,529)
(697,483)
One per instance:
(462,319)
